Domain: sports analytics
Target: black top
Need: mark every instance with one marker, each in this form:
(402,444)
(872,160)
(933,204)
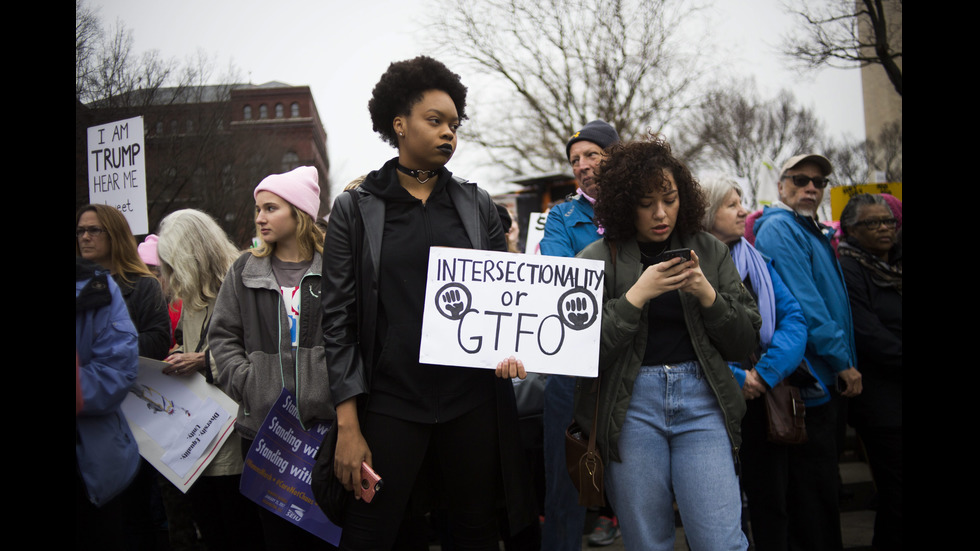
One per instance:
(668,341)
(401,386)
(877,313)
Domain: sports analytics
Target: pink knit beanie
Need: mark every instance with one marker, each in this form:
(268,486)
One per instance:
(298,186)
(148,250)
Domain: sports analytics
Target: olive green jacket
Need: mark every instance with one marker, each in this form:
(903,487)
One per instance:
(728,330)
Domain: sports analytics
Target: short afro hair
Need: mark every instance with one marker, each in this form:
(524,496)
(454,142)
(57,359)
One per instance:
(402,86)
(634,169)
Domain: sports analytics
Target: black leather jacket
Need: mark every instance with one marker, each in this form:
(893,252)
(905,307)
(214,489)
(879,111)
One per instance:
(350,310)
(349,349)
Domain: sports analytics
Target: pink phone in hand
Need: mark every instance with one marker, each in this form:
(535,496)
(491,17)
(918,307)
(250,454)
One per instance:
(371,483)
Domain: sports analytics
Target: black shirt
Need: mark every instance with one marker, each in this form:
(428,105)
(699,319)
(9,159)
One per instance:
(668,341)
(401,386)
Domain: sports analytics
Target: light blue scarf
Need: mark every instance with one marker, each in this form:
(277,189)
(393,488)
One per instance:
(749,262)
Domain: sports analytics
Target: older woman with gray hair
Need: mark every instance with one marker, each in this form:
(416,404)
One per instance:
(195,255)
(765,465)
(871,259)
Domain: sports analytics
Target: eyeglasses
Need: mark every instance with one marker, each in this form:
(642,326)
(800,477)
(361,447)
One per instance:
(801,180)
(874,223)
(94,231)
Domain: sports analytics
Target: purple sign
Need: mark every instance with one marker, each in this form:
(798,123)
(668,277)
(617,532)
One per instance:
(279,467)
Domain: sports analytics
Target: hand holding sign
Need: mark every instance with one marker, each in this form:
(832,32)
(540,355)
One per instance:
(510,368)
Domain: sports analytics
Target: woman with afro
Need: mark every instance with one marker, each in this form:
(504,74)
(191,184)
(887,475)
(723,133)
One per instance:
(438,436)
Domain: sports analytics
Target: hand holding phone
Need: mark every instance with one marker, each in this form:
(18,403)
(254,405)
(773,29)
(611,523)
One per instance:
(371,483)
(683,254)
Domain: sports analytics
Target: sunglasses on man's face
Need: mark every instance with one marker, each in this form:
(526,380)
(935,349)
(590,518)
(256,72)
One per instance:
(801,180)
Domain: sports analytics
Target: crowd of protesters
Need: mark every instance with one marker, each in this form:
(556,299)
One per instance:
(691,345)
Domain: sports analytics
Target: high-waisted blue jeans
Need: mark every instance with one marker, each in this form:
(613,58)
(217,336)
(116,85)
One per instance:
(674,446)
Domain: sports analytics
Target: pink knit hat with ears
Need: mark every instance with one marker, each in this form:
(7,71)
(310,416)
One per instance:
(148,250)
(298,186)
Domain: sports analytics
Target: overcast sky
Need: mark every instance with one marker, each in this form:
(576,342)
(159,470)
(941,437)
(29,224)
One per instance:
(340,49)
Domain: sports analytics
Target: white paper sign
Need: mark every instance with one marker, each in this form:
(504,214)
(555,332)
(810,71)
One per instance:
(535,232)
(179,422)
(117,170)
(483,306)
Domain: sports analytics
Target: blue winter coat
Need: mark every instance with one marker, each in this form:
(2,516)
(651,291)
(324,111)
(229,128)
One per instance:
(803,256)
(785,350)
(569,228)
(106,344)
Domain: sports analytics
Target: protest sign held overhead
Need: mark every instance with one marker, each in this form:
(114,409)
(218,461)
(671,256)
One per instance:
(484,306)
(117,170)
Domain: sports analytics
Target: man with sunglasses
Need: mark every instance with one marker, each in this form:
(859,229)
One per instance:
(800,247)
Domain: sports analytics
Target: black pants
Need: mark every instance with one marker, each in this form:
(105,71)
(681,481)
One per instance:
(228,520)
(456,463)
(97,528)
(884,447)
(792,489)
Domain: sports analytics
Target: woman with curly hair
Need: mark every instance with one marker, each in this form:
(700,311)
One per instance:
(425,429)
(669,410)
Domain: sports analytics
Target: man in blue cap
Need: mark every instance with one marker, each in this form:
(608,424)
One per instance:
(570,227)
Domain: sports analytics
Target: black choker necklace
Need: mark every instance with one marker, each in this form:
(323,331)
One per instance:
(417,174)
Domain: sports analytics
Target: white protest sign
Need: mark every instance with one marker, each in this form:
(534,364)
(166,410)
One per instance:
(179,423)
(484,306)
(535,232)
(117,170)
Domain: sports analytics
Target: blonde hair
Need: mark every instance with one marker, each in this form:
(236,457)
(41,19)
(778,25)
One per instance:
(195,255)
(122,245)
(309,236)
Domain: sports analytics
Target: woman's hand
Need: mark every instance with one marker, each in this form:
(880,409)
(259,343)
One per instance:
(696,284)
(510,368)
(754,386)
(352,449)
(184,363)
(657,280)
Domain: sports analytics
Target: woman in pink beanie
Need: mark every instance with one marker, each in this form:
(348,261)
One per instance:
(148,253)
(265,331)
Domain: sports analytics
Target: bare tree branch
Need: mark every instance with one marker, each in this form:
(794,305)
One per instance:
(848,33)
(553,65)
(736,131)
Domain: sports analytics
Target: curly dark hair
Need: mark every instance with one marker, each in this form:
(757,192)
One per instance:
(402,86)
(631,171)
